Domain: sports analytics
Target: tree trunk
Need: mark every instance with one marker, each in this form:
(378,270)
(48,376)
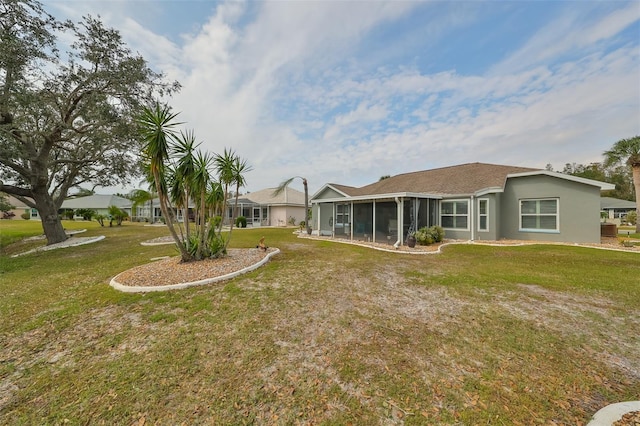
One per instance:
(635,169)
(168,217)
(51,223)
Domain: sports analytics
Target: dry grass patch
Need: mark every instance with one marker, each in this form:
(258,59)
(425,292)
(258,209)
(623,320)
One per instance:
(323,334)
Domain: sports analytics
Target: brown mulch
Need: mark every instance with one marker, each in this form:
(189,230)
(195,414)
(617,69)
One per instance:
(173,271)
(629,419)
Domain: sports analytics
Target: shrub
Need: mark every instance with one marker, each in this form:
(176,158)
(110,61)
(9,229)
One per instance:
(25,216)
(426,236)
(100,219)
(68,214)
(87,214)
(215,221)
(632,217)
(241,222)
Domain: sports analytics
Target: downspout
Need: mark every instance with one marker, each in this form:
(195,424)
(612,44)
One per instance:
(472,218)
(398,223)
(351,221)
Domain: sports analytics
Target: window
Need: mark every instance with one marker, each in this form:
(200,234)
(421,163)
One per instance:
(454,214)
(342,214)
(539,215)
(483,215)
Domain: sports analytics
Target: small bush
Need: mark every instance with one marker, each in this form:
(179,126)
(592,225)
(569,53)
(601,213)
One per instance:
(241,222)
(426,236)
(87,214)
(632,217)
(68,214)
(25,216)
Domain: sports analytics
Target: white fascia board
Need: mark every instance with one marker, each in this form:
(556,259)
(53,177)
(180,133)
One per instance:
(485,191)
(378,197)
(602,185)
(325,186)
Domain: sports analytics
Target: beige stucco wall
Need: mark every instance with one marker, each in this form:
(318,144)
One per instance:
(279,215)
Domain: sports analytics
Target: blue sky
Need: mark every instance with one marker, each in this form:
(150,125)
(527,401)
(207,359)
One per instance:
(348,91)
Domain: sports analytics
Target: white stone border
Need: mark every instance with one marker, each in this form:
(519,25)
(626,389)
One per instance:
(614,412)
(145,289)
(468,242)
(69,242)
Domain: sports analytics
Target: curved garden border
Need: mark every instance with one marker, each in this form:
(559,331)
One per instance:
(145,289)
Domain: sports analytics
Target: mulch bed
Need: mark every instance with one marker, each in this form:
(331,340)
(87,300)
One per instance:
(173,271)
(629,419)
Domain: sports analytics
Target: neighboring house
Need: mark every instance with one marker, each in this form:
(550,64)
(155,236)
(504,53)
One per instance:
(143,212)
(262,208)
(19,208)
(98,203)
(616,209)
(474,201)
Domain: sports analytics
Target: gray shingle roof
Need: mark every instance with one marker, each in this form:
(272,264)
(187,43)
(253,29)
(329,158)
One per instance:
(616,203)
(96,201)
(461,179)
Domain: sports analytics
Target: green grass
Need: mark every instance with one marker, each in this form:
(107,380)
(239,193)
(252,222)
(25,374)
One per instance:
(325,333)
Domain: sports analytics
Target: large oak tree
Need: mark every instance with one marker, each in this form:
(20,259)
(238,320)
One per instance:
(67,119)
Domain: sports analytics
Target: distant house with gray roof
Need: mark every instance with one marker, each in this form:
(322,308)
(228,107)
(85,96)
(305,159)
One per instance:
(474,201)
(616,209)
(97,202)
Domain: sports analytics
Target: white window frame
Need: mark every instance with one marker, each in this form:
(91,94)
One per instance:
(485,215)
(538,214)
(343,210)
(464,200)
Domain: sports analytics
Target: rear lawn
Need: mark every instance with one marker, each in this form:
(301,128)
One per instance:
(325,333)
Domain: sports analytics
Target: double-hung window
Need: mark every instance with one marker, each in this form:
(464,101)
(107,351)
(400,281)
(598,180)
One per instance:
(483,214)
(539,215)
(454,214)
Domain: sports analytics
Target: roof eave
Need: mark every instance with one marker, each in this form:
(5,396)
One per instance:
(604,186)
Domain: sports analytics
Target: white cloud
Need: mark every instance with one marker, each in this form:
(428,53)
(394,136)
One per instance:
(568,33)
(279,82)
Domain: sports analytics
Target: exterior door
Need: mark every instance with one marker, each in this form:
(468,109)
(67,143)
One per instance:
(256,216)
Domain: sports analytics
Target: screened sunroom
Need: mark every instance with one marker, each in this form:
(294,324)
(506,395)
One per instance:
(384,220)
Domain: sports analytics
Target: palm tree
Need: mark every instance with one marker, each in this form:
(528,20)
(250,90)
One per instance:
(199,183)
(224,167)
(185,169)
(284,185)
(157,129)
(215,198)
(141,197)
(238,168)
(627,151)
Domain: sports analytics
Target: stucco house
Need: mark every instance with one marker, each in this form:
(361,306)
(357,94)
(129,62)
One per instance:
(20,208)
(616,209)
(97,202)
(262,208)
(474,201)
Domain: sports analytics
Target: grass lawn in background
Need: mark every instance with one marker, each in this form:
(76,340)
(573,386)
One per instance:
(325,333)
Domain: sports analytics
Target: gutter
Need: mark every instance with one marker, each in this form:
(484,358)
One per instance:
(398,224)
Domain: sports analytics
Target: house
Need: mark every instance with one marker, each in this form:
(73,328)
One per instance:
(20,208)
(262,208)
(616,209)
(97,202)
(474,201)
